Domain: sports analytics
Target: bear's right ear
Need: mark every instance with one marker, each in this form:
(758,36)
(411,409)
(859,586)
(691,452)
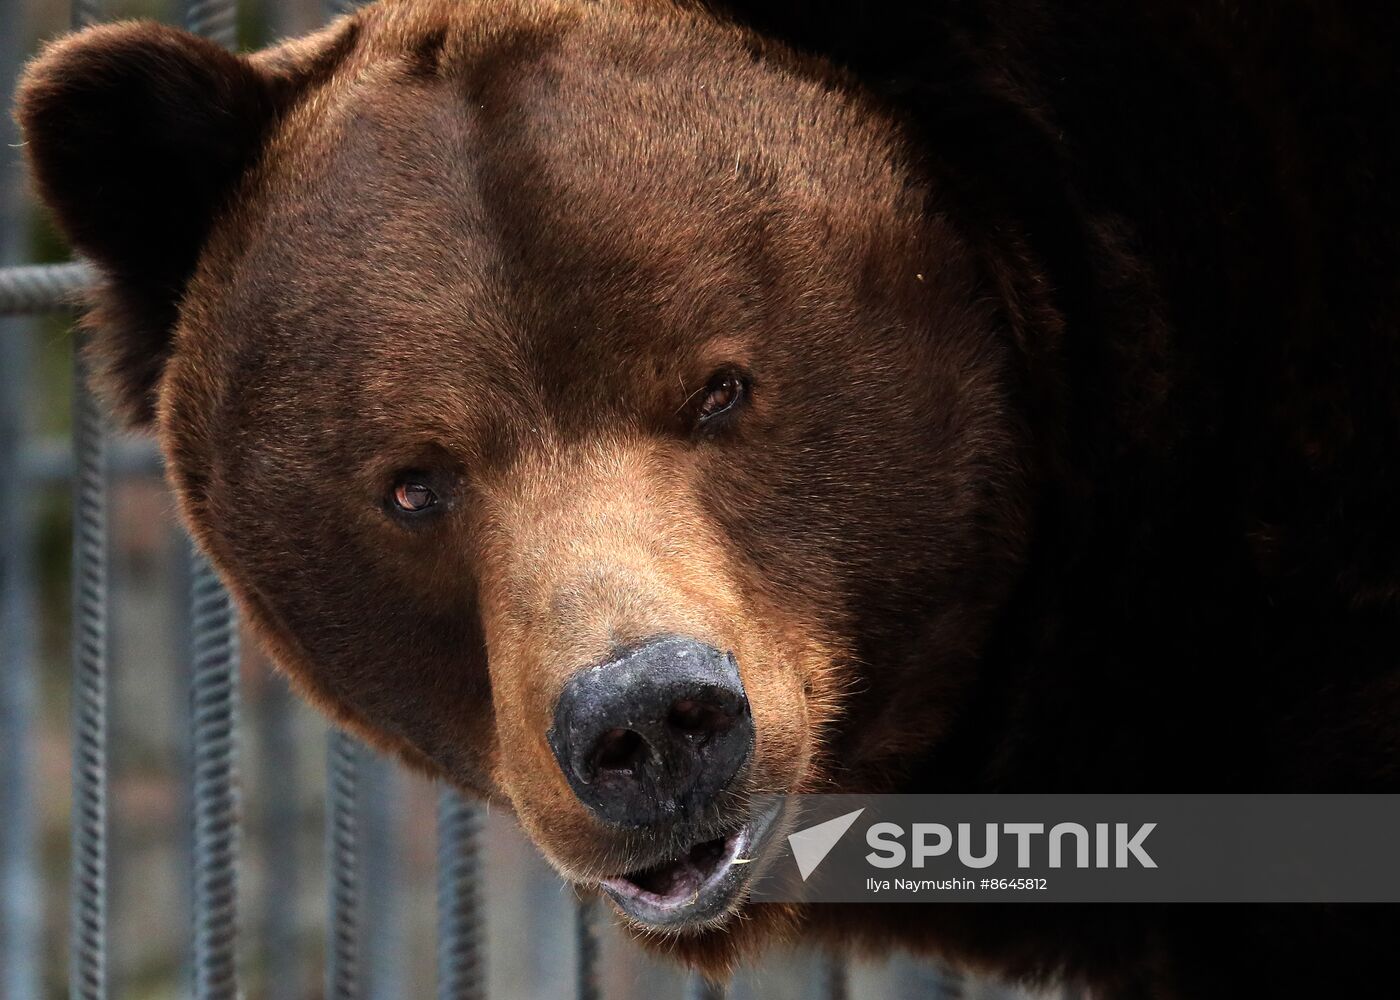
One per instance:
(137,134)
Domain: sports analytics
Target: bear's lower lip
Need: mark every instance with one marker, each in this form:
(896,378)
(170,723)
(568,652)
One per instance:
(697,887)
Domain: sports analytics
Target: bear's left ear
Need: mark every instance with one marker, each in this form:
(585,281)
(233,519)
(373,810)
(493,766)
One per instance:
(136,134)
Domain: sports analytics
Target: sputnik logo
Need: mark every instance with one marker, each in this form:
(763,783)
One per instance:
(812,845)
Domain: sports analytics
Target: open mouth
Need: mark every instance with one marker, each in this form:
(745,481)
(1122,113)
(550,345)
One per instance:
(698,886)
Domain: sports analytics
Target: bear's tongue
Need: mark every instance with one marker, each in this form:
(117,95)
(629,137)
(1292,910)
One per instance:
(697,887)
(684,876)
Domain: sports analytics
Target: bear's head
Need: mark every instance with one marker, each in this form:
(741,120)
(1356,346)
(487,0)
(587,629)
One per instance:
(588,403)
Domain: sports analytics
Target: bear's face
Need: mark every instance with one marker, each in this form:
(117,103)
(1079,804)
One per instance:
(582,401)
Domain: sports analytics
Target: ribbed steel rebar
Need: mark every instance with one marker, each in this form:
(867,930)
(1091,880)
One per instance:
(21,901)
(344,977)
(381,939)
(836,984)
(461,937)
(49,462)
(700,988)
(37,288)
(216,20)
(182,642)
(214,721)
(929,981)
(282,974)
(88,937)
(586,956)
(86,12)
(952,984)
(343,981)
(214,709)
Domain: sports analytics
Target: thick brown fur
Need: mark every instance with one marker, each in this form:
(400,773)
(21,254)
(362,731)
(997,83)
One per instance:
(1070,461)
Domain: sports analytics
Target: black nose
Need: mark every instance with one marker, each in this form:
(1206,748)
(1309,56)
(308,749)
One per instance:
(652,736)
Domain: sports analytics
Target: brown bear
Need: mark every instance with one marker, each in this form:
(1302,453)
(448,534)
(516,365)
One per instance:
(620,409)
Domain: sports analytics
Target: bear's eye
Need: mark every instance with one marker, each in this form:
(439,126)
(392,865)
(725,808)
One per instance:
(413,496)
(723,395)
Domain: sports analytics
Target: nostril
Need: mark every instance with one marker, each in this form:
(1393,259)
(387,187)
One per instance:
(618,750)
(696,718)
(655,735)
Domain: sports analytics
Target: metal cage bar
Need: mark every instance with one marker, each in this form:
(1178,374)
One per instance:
(214,710)
(929,980)
(21,910)
(19,890)
(588,985)
(379,848)
(461,938)
(343,868)
(36,288)
(216,20)
(88,914)
(700,988)
(836,980)
(282,975)
(214,792)
(181,568)
(88,937)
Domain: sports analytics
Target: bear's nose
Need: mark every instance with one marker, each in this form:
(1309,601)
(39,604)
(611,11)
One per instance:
(651,736)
